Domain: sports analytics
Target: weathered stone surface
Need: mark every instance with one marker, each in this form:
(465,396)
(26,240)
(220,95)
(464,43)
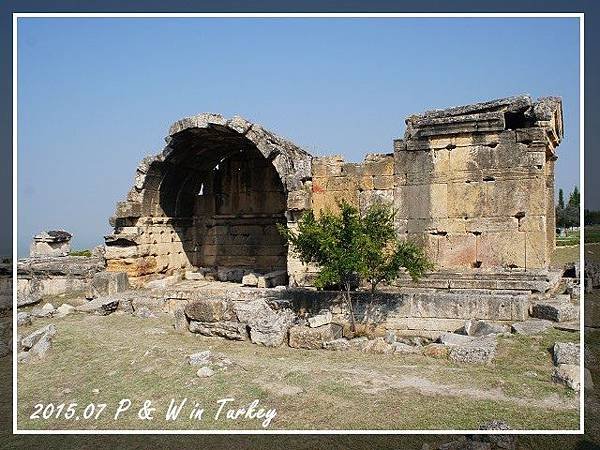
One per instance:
(323,318)
(209,310)
(405,349)
(479,350)
(23,319)
(205,372)
(64,310)
(556,311)
(569,375)
(31,339)
(225,329)
(313,338)
(455,339)
(50,243)
(108,283)
(531,327)
(102,306)
(250,279)
(341,344)
(199,358)
(180,321)
(436,350)
(272,279)
(378,346)
(271,332)
(483,328)
(565,353)
(196,276)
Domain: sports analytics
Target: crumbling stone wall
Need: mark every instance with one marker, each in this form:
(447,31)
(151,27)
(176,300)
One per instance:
(474,184)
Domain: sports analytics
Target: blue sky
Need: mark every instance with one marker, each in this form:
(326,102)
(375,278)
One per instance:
(97,95)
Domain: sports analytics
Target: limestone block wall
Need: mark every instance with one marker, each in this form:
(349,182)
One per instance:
(473,184)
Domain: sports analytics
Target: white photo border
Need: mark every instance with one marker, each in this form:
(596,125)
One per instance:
(580,16)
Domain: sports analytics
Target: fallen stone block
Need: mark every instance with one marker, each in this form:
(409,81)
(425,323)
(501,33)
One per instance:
(23,319)
(209,310)
(565,353)
(163,282)
(531,327)
(378,346)
(250,279)
(482,328)
(226,329)
(323,318)
(405,349)
(271,332)
(341,344)
(64,310)
(253,311)
(312,338)
(231,274)
(555,311)
(436,350)
(358,343)
(272,279)
(180,321)
(478,351)
(108,283)
(567,374)
(195,276)
(31,339)
(102,306)
(205,372)
(455,339)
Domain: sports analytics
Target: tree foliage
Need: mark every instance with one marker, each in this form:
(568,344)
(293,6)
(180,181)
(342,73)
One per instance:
(568,216)
(350,247)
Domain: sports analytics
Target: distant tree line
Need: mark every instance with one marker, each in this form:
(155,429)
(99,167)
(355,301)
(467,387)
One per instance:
(567,215)
(591,217)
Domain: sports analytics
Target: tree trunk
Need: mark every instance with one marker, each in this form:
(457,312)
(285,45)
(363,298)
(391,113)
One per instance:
(351,307)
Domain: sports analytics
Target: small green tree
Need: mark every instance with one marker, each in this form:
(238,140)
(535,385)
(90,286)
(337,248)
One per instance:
(348,247)
(574,198)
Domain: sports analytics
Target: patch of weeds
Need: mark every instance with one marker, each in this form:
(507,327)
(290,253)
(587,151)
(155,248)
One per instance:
(84,252)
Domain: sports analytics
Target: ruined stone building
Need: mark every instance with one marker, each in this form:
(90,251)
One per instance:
(474,184)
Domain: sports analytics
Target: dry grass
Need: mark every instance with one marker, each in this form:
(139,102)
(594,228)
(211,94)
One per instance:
(128,357)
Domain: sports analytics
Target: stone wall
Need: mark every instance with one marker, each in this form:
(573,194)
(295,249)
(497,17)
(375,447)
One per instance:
(474,184)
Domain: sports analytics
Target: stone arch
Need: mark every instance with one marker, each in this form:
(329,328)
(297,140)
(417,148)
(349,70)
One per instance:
(212,197)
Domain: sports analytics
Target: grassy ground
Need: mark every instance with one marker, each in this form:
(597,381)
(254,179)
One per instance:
(104,359)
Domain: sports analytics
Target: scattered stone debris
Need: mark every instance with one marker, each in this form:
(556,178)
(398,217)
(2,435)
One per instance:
(37,344)
(209,363)
(390,336)
(144,313)
(45,311)
(273,279)
(566,353)
(180,321)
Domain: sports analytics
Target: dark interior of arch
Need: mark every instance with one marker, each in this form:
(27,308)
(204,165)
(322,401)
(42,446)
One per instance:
(225,199)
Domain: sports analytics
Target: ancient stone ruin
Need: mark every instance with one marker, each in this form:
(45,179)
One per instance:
(50,243)
(197,238)
(474,184)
